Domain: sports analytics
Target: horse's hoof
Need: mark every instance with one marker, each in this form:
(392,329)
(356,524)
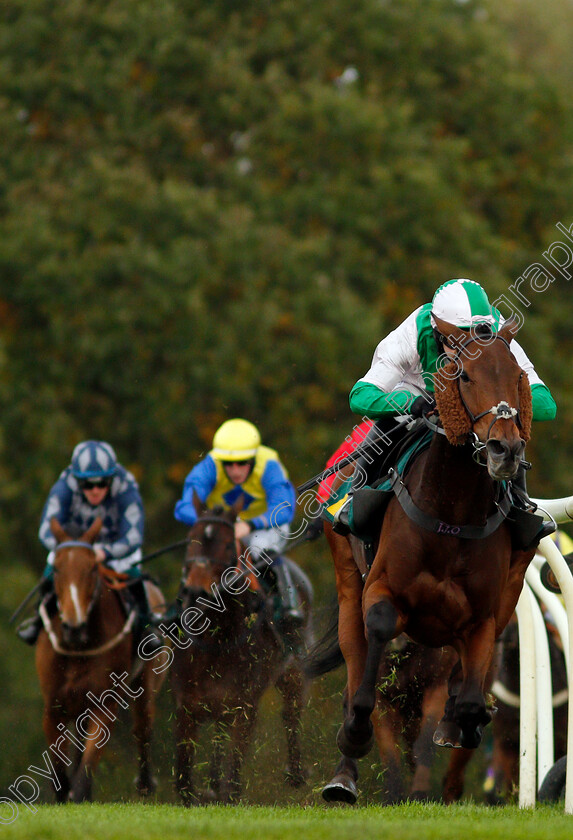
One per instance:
(341,789)
(419,796)
(295,778)
(354,749)
(472,739)
(448,734)
(146,787)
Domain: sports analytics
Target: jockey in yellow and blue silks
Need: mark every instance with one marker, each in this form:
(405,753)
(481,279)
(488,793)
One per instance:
(239,466)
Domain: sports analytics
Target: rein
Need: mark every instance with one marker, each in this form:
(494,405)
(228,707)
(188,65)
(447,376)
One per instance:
(113,580)
(111,643)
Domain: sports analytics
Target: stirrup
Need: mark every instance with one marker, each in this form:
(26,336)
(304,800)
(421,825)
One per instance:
(340,524)
(29,630)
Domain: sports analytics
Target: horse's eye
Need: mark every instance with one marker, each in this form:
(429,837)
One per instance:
(464,377)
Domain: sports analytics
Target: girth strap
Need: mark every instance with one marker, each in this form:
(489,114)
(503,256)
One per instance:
(438,526)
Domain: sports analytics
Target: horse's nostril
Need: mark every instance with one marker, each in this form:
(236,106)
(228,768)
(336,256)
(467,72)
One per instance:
(496,448)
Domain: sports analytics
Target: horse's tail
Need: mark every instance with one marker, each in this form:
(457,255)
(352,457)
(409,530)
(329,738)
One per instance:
(325,655)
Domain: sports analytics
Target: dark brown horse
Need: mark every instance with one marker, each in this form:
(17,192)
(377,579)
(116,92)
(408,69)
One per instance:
(446,571)
(503,774)
(228,653)
(87,668)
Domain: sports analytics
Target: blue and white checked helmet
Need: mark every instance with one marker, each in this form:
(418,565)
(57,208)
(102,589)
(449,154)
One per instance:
(93,459)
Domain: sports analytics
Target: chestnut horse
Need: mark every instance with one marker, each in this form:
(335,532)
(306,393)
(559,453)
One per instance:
(228,652)
(85,659)
(446,571)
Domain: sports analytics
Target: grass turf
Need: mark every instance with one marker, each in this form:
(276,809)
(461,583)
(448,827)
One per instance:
(412,821)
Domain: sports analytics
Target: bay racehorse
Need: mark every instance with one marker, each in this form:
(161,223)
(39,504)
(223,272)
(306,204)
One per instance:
(228,653)
(446,570)
(87,668)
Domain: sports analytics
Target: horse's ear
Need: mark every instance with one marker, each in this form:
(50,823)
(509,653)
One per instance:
(92,531)
(238,506)
(58,531)
(200,507)
(509,329)
(454,335)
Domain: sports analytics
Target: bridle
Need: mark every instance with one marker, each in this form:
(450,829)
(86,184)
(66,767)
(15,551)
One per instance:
(89,652)
(200,643)
(207,519)
(98,585)
(501,411)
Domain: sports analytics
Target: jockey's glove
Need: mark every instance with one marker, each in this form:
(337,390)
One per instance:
(422,405)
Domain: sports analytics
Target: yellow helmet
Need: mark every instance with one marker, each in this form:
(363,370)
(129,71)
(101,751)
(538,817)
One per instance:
(236,440)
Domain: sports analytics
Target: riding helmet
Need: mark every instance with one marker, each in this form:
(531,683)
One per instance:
(464,303)
(236,440)
(93,459)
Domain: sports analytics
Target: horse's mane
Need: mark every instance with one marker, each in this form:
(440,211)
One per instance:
(454,417)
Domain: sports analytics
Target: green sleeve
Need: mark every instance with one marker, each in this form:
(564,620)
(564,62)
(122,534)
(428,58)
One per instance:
(369,401)
(543,404)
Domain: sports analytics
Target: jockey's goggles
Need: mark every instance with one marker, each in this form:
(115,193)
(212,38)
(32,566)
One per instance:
(93,483)
(237,463)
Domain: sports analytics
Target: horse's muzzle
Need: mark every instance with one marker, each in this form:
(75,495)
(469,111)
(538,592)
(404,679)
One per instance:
(503,458)
(75,637)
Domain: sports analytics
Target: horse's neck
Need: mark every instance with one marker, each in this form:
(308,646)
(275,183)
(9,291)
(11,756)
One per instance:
(450,482)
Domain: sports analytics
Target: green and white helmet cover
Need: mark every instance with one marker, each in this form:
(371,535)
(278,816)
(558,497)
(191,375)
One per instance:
(464,303)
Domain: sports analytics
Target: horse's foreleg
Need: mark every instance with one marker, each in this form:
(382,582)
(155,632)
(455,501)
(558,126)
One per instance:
(387,731)
(97,734)
(241,730)
(453,783)
(448,732)
(58,755)
(470,711)
(185,735)
(342,787)
(423,747)
(355,738)
(216,763)
(143,718)
(291,685)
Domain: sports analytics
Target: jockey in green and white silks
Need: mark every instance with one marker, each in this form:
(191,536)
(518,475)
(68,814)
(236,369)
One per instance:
(404,361)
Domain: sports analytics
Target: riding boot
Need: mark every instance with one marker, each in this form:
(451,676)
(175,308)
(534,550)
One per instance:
(528,526)
(290,609)
(145,622)
(29,630)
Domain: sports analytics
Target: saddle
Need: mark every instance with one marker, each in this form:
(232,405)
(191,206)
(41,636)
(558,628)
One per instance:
(361,511)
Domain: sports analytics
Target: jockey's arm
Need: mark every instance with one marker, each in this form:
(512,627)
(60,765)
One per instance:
(57,504)
(280,496)
(543,404)
(202,480)
(382,392)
